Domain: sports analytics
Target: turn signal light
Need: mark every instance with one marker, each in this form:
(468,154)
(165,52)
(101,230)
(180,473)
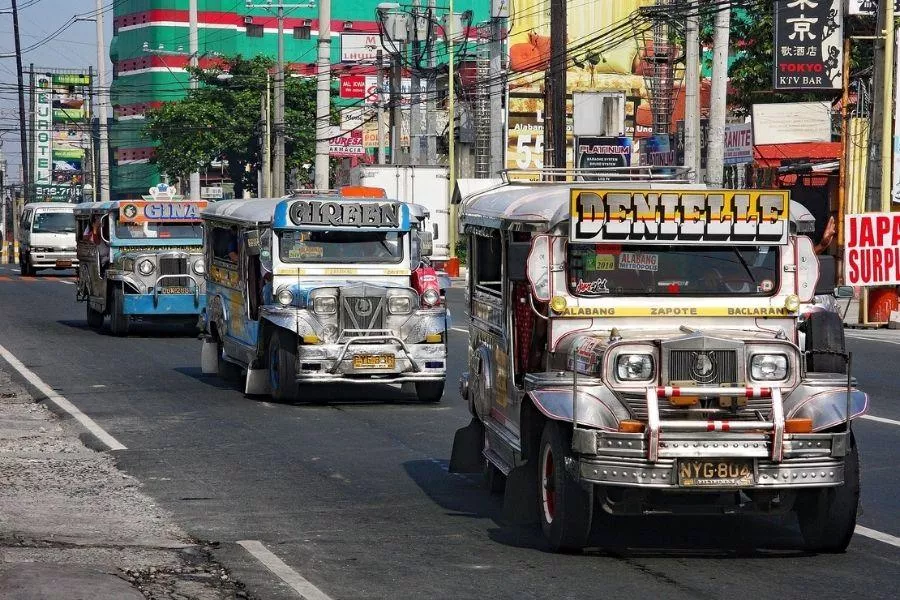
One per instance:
(629,426)
(798,426)
(434,338)
(684,400)
(311,339)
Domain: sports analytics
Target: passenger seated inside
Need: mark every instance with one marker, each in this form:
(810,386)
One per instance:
(95,233)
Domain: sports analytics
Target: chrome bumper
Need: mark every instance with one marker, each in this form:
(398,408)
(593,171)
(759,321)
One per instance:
(48,260)
(329,363)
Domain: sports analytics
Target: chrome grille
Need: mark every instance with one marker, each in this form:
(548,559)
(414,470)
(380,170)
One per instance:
(692,365)
(362,312)
(174,266)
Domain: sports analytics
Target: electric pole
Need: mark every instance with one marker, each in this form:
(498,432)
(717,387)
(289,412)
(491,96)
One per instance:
(715,157)
(878,178)
(692,148)
(193,49)
(431,92)
(323,98)
(557,95)
(415,110)
(396,106)
(499,14)
(23,131)
(379,96)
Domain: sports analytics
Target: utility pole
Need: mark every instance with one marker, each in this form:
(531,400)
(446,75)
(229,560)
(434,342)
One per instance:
(415,110)
(499,14)
(879,145)
(396,106)
(715,157)
(379,59)
(266,145)
(692,148)
(431,92)
(193,48)
(451,129)
(323,98)
(23,131)
(558,30)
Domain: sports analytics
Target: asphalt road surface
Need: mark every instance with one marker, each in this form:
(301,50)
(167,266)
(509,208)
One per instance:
(351,494)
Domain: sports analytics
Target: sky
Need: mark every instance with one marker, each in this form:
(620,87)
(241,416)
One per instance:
(76,47)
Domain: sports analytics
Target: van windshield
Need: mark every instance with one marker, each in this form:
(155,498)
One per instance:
(53,222)
(159,230)
(660,270)
(341,246)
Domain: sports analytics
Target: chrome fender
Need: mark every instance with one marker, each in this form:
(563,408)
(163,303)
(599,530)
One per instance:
(217,313)
(290,319)
(596,407)
(481,384)
(826,406)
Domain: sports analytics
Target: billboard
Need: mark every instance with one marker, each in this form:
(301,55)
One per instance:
(872,249)
(808,44)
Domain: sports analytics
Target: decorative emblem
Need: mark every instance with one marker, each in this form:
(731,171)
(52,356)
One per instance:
(130,211)
(703,367)
(363,307)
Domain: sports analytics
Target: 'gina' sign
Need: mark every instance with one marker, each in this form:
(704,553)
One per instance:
(345,214)
(142,211)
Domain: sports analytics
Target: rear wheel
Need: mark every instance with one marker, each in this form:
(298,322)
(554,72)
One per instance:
(25,267)
(94,317)
(827,516)
(118,320)
(824,340)
(430,391)
(566,508)
(282,362)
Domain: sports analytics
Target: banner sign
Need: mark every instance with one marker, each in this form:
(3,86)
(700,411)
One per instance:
(703,217)
(143,211)
(353,87)
(872,249)
(43,130)
(867,7)
(738,143)
(808,44)
(593,152)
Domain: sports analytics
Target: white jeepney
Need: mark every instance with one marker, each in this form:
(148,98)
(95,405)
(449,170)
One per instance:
(636,348)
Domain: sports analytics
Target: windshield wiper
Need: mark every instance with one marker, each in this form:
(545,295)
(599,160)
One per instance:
(744,264)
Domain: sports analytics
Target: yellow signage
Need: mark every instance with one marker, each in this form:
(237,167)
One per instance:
(583,312)
(721,217)
(339,271)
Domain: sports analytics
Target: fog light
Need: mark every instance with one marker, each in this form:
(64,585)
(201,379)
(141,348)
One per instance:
(558,304)
(434,338)
(145,267)
(792,303)
(311,339)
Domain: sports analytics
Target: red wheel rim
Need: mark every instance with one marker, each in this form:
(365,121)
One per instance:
(548,485)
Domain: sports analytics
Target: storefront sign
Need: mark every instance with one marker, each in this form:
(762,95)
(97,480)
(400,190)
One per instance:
(808,44)
(43,130)
(738,143)
(353,86)
(872,249)
(348,144)
(791,123)
(357,47)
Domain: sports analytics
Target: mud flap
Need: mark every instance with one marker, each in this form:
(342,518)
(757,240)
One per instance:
(520,500)
(466,456)
(209,358)
(257,382)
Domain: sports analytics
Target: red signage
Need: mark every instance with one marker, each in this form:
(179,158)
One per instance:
(872,249)
(347,145)
(353,86)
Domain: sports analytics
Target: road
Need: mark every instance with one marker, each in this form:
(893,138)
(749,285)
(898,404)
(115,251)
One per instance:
(352,491)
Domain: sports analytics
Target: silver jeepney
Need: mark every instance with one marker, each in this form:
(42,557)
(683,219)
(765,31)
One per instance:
(619,354)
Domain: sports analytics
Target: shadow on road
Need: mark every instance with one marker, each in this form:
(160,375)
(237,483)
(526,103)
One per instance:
(140,330)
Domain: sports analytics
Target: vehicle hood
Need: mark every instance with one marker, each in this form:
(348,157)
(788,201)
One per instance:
(53,240)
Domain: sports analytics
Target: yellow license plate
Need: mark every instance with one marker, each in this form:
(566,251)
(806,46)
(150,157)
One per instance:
(715,473)
(373,361)
(174,290)
(63,264)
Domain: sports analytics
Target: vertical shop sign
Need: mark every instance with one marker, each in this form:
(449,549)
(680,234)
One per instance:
(43,129)
(808,44)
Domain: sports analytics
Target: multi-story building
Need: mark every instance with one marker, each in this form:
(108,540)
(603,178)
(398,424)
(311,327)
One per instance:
(149,52)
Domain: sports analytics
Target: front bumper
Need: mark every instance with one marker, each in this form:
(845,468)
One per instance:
(53,260)
(164,304)
(331,363)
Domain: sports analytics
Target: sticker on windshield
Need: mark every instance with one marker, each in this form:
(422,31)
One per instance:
(600,262)
(595,288)
(766,285)
(639,262)
(303,251)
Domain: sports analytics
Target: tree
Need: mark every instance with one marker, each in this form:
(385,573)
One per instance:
(220,120)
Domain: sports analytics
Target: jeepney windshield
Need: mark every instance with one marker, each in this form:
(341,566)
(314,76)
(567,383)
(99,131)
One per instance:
(660,270)
(159,230)
(53,222)
(323,246)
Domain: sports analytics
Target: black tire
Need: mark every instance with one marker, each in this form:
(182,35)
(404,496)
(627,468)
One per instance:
(824,334)
(228,371)
(94,317)
(430,392)
(494,479)
(282,365)
(25,267)
(566,508)
(118,320)
(827,516)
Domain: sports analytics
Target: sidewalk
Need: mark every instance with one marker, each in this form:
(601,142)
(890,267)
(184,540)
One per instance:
(72,526)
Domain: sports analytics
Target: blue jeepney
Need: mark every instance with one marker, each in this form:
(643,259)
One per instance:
(140,260)
(317,289)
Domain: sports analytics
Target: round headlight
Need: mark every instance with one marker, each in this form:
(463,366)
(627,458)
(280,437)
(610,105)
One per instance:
(146,267)
(634,367)
(285,297)
(431,297)
(199,267)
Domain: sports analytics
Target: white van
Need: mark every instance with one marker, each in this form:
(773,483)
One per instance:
(47,237)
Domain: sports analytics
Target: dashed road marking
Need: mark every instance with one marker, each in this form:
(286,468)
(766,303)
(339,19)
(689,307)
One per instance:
(878,535)
(460,329)
(88,423)
(880,419)
(66,281)
(297,582)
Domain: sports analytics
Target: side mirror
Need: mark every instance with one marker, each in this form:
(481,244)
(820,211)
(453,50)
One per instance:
(251,239)
(827,275)
(843,291)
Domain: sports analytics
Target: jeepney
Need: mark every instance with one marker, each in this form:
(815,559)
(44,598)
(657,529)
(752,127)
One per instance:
(140,260)
(319,288)
(635,348)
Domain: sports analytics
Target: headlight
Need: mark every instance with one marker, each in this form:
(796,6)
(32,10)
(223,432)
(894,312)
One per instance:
(325,305)
(199,267)
(399,305)
(768,367)
(634,367)
(285,297)
(146,267)
(431,297)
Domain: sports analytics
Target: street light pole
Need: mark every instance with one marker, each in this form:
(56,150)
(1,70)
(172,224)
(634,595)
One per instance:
(323,96)
(194,49)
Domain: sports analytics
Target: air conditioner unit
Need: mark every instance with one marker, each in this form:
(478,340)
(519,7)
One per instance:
(248,20)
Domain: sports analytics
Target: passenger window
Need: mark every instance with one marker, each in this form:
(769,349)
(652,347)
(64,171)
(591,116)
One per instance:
(225,244)
(487,261)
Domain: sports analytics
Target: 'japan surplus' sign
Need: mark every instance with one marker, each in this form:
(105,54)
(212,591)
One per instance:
(872,249)
(808,44)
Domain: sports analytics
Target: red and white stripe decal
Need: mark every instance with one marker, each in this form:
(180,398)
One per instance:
(717,426)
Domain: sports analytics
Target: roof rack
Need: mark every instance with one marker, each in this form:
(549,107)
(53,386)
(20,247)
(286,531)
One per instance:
(673,174)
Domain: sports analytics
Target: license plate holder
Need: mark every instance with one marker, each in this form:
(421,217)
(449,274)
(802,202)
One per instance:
(716,472)
(174,289)
(374,361)
(63,264)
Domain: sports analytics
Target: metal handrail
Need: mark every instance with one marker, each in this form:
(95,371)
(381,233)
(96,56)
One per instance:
(674,173)
(368,340)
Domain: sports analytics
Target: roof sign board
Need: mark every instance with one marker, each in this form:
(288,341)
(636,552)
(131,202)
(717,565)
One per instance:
(872,249)
(369,215)
(700,217)
(143,211)
(808,44)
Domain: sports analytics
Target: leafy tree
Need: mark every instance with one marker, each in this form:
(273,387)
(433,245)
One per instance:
(221,121)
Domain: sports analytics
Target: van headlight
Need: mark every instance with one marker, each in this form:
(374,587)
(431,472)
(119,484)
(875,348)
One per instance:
(145,267)
(199,267)
(325,305)
(634,367)
(399,305)
(285,297)
(768,367)
(431,297)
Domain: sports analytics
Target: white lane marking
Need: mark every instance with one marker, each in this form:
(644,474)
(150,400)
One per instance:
(60,401)
(460,329)
(880,419)
(66,281)
(296,581)
(871,339)
(877,535)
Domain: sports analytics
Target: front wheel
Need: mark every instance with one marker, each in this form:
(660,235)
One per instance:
(118,320)
(25,267)
(282,362)
(566,508)
(430,391)
(827,516)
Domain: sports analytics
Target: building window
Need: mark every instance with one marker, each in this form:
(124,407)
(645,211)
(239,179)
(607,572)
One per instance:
(254,30)
(302,33)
